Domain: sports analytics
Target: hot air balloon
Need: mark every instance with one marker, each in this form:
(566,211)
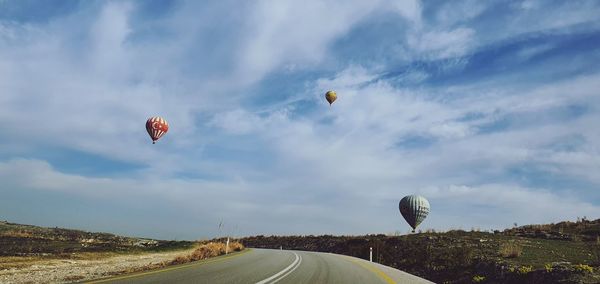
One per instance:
(330,96)
(156,127)
(414,209)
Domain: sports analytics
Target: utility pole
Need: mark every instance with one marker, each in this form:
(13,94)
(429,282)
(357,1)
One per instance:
(371,254)
(220,228)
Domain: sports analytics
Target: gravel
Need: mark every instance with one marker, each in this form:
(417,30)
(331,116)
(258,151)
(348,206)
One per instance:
(69,270)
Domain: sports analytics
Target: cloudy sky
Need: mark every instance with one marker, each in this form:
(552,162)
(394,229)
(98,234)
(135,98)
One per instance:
(490,109)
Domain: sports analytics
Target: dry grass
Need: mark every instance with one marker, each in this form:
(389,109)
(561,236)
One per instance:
(92,255)
(208,250)
(18,234)
(151,266)
(235,246)
(17,262)
(74,278)
(8,262)
(510,250)
(202,251)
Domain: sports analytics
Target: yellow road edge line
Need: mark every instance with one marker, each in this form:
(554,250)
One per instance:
(169,268)
(375,270)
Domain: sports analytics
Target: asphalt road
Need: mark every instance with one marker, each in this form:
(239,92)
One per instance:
(265,266)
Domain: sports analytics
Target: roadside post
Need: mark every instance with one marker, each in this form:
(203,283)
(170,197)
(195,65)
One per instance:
(227,246)
(371,254)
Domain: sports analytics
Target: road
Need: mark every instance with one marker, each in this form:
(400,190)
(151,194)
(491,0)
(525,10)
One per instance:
(265,266)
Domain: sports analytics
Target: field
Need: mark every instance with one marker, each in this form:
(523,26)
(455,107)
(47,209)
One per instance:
(31,254)
(568,252)
(33,241)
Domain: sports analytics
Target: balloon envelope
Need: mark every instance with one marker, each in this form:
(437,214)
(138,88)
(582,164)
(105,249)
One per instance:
(414,209)
(156,127)
(330,96)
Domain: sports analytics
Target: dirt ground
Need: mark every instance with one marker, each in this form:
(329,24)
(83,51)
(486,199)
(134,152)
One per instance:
(78,267)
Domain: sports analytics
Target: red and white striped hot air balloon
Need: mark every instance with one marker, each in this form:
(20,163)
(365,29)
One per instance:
(156,127)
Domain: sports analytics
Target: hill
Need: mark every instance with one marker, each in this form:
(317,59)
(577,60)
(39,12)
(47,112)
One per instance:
(32,254)
(567,252)
(27,240)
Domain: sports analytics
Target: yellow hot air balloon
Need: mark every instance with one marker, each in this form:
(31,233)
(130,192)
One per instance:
(331,96)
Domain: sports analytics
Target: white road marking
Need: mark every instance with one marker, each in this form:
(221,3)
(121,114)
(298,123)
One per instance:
(283,273)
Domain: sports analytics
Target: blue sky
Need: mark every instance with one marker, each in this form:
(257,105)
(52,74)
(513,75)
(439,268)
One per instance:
(488,108)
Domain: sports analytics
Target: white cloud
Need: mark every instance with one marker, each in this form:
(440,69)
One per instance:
(237,122)
(411,10)
(529,52)
(98,81)
(540,17)
(459,28)
(261,207)
(451,13)
(283,32)
(108,39)
(443,43)
(91,86)
(507,204)
(358,140)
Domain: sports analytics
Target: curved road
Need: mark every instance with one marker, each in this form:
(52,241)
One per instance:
(265,266)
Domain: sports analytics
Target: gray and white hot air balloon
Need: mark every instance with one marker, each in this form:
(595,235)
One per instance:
(414,209)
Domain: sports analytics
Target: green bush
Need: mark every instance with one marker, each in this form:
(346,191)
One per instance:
(478,278)
(548,267)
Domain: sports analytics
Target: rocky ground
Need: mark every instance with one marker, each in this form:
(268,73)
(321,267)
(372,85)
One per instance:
(72,269)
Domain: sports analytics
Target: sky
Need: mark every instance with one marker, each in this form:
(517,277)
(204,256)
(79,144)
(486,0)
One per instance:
(489,109)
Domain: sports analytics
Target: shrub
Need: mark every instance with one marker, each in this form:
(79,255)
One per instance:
(235,246)
(510,250)
(478,278)
(208,250)
(583,268)
(181,259)
(548,267)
